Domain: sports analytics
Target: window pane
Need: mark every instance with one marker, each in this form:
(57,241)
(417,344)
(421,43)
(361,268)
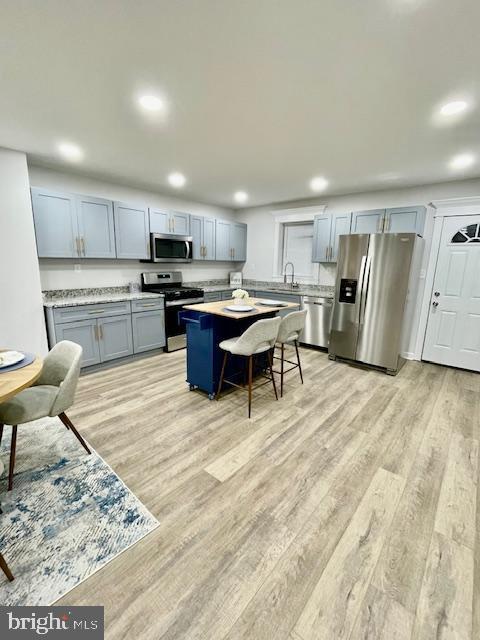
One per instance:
(297,247)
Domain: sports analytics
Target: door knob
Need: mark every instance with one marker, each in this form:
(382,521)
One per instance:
(434,303)
(436,294)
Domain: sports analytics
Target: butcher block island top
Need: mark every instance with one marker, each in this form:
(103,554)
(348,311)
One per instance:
(220,308)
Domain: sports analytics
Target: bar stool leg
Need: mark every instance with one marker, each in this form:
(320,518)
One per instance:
(5,568)
(250,376)
(1,433)
(222,374)
(13,447)
(298,360)
(281,368)
(270,361)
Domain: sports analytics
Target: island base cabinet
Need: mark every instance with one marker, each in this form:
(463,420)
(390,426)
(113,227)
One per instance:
(115,337)
(204,356)
(84,333)
(148,331)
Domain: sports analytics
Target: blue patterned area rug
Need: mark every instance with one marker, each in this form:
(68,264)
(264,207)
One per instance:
(66,517)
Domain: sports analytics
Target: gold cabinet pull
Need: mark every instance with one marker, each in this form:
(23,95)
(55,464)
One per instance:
(82,242)
(77,242)
(95,332)
(100,327)
(96,311)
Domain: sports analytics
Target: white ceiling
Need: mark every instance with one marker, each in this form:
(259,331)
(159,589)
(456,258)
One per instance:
(263,94)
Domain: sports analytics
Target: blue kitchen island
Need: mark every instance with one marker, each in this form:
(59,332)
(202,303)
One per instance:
(207,324)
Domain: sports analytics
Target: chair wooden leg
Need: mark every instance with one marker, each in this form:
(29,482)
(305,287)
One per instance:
(68,423)
(250,377)
(298,360)
(270,362)
(4,567)
(13,449)
(222,374)
(282,363)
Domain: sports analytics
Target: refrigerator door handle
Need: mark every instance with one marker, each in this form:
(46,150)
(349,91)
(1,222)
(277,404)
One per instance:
(360,288)
(365,285)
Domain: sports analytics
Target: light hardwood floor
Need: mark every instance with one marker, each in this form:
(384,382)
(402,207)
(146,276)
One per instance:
(346,510)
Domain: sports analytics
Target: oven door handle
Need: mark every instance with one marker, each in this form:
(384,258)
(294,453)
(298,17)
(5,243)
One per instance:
(181,303)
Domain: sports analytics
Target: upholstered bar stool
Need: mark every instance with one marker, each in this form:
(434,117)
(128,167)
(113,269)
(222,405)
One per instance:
(258,338)
(51,395)
(290,329)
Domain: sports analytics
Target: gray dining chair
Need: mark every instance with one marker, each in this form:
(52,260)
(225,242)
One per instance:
(289,332)
(258,338)
(51,395)
(3,563)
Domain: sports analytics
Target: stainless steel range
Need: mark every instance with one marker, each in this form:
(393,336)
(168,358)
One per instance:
(169,284)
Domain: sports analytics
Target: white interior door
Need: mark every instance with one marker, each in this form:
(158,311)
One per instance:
(453,331)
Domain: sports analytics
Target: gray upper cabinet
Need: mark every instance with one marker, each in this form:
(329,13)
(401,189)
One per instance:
(131,232)
(95,227)
(326,231)
(368,221)
(164,221)
(405,220)
(396,220)
(223,248)
(239,241)
(230,241)
(55,221)
(322,226)
(203,233)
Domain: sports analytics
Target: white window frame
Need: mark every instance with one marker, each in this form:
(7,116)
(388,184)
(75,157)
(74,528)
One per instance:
(286,216)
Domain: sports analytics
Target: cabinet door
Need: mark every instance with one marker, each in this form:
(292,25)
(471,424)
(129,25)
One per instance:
(180,223)
(84,333)
(222,240)
(340,226)
(159,221)
(321,238)
(238,240)
(209,238)
(55,221)
(368,221)
(131,232)
(115,337)
(95,227)
(148,331)
(405,220)
(196,227)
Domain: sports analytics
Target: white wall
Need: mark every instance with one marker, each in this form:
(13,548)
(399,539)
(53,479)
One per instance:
(260,247)
(61,274)
(22,324)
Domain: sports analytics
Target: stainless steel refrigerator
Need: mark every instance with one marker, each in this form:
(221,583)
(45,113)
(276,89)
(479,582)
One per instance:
(376,275)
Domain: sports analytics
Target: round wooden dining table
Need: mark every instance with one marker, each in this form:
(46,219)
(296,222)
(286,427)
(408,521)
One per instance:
(12,382)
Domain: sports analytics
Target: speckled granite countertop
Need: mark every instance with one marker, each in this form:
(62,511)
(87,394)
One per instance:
(77,297)
(320,292)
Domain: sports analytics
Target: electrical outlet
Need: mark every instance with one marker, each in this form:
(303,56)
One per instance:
(77,268)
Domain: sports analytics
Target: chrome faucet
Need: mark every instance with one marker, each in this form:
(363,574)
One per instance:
(292,284)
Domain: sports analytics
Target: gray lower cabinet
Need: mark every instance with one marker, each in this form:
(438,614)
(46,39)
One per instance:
(84,333)
(148,331)
(115,337)
(212,296)
(282,297)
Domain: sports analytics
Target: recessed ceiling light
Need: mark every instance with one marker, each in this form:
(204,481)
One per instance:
(462,161)
(177,180)
(70,151)
(318,184)
(151,103)
(453,108)
(240,196)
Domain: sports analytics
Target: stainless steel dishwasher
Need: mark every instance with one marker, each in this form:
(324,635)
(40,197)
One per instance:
(318,321)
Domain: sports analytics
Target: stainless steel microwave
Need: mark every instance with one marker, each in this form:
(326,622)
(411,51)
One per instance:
(165,247)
